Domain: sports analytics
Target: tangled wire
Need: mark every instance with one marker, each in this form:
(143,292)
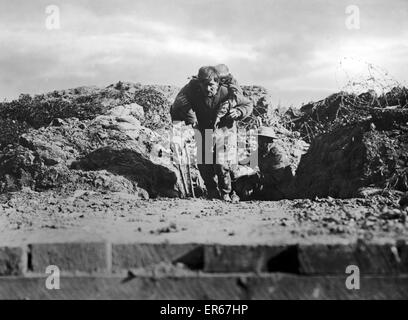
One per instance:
(360,95)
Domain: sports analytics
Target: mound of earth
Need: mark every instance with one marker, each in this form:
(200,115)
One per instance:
(112,152)
(358,142)
(88,102)
(85,103)
(344,162)
(11,130)
(117,139)
(113,138)
(340,110)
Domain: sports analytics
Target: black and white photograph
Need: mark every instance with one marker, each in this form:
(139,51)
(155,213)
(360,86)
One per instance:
(214,151)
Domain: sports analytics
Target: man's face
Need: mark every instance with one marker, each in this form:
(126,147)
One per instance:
(209,87)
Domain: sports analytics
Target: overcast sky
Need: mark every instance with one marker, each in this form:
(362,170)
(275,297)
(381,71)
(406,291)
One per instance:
(293,48)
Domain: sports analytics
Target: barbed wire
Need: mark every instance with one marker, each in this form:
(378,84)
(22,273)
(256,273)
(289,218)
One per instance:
(375,78)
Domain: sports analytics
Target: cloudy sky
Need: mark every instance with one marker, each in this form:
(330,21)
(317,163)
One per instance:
(294,48)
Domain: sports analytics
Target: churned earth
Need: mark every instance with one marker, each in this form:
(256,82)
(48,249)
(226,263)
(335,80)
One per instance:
(93,163)
(27,216)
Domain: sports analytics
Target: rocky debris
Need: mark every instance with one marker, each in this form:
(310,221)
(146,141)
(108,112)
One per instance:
(156,179)
(172,227)
(397,96)
(255,93)
(17,168)
(345,160)
(168,91)
(85,103)
(336,111)
(389,118)
(378,213)
(342,109)
(10,131)
(357,142)
(94,137)
(149,219)
(156,108)
(129,110)
(122,155)
(40,110)
(122,133)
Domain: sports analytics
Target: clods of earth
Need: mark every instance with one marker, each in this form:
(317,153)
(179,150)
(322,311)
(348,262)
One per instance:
(96,160)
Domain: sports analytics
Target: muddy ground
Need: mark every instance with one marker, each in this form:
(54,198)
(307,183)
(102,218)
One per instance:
(28,216)
(80,163)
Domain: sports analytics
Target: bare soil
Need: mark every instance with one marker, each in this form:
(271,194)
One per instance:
(28,216)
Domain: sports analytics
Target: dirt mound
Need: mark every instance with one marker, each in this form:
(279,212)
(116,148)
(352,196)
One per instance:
(341,109)
(117,138)
(156,108)
(373,153)
(255,93)
(357,142)
(110,152)
(95,137)
(40,110)
(10,131)
(86,103)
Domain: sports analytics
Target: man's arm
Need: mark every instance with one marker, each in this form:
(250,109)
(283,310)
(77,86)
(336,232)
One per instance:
(244,105)
(235,87)
(181,110)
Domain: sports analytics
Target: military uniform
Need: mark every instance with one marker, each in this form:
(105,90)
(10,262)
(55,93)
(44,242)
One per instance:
(192,107)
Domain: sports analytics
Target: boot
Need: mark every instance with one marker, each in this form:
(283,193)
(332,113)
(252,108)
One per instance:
(226,197)
(234,197)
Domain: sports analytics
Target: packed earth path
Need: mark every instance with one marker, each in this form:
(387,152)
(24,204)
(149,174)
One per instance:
(28,216)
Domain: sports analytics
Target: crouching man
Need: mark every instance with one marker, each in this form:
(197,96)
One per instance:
(198,104)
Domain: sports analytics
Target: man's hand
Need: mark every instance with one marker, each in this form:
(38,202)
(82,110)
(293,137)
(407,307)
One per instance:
(194,125)
(235,114)
(216,123)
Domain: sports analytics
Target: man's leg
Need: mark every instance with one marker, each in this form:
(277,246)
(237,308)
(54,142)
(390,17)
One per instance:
(226,158)
(208,175)
(205,159)
(224,178)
